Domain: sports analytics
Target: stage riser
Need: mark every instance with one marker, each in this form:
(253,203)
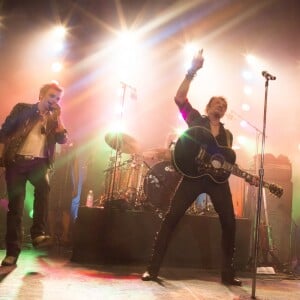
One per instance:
(114,236)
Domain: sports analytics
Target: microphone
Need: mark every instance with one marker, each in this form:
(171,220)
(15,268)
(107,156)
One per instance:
(54,109)
(268,76)
(50,106)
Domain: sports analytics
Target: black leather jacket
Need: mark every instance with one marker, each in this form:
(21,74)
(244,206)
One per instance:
(17,126)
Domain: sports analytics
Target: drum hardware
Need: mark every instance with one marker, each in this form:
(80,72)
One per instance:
(157,154)
(128,179)
(121,143)
(135,181)
(118,166)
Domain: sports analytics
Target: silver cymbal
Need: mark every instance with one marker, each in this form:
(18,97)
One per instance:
(121,142)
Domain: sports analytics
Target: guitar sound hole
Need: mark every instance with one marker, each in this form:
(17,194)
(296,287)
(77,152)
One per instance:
(216,164)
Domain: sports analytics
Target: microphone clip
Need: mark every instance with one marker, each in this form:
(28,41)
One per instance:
(268,76)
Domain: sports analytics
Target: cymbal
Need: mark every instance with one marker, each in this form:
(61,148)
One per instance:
(121,142)
(157,153)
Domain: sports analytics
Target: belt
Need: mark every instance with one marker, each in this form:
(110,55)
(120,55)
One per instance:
(27,157)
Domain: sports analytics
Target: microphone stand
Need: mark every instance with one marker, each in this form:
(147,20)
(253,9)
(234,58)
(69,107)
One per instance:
(260,190)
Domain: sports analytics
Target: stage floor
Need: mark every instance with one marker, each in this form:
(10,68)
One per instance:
(51,275)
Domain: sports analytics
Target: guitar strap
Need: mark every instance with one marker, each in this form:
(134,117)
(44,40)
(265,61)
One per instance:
(228,138)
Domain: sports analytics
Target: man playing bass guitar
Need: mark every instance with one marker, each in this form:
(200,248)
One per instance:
(190,188)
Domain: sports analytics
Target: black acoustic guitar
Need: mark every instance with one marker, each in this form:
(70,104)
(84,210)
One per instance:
(196,153)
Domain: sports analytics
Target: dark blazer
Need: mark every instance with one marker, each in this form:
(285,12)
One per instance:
(17,126)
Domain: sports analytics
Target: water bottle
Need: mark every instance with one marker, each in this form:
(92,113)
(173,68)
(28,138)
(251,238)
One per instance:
(90,199)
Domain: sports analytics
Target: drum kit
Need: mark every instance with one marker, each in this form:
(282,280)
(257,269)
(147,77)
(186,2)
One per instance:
(145,180)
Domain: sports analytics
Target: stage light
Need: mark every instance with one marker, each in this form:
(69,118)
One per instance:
(245,107)
(56,67)
(190,50)
(256,63)
(248,90)
(119,109)
(251,59)
(117,126)
(243,123)
(242,140)
(58,47)
(127,46)
(247,75)
(59,32)
(179,131)
(247,144)
(127,57)
(127,38)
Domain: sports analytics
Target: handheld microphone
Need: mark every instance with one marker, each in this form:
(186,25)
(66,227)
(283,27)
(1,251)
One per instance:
(268,76)
(50,106)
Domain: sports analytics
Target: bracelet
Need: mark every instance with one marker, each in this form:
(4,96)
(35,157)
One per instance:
(190,74)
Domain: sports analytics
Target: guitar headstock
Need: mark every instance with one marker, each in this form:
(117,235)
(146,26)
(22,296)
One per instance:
(275,190)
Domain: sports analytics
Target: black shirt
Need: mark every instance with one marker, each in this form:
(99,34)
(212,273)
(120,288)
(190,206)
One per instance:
(194,118)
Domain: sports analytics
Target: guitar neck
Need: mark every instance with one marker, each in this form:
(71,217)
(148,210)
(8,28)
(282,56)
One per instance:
(245,175)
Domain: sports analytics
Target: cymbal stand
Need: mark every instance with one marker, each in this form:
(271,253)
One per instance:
(119,140)
(112,183)
(269,248)
(260,187)
(139,192)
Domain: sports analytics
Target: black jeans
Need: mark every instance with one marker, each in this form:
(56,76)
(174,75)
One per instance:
(185,195)
(17,174)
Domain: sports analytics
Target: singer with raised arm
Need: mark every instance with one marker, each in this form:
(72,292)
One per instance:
(190,188)
(27,142)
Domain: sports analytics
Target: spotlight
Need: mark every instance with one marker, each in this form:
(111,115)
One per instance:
(56,67)
(59,32)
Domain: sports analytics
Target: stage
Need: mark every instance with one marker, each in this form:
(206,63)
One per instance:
(51,275)
(119,236)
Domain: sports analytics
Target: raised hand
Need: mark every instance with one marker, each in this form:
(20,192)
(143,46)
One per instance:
(197,61)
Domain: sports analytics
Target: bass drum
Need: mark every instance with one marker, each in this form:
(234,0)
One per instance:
(160,184)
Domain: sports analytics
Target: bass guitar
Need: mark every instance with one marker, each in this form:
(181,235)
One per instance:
(197,153)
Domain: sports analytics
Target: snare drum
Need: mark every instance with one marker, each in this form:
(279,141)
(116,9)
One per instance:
(125,181)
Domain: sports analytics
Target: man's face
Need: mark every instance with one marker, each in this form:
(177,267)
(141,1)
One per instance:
(217,108)
(50,98)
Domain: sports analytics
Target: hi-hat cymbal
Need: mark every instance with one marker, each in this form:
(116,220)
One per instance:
(157,153)
(121,142)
